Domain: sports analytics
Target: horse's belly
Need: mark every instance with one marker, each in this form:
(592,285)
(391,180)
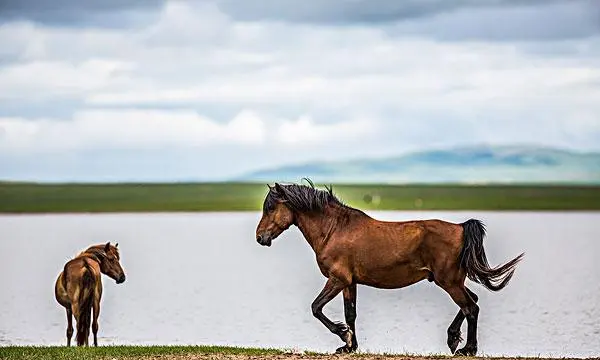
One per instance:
(60,293)
(392,278)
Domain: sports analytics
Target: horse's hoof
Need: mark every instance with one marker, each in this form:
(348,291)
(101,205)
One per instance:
(347,337)
(344,332)
(345,349)
(467,351)
(453,340)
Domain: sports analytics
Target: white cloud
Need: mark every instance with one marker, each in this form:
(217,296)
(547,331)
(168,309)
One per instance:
(305,131)
(152,129)
(181,59)
(195,53)
(54,79)
(178,25)
(97,129)
(300,85)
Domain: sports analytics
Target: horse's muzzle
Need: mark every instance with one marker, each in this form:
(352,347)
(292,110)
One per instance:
(121,279)
(264,240)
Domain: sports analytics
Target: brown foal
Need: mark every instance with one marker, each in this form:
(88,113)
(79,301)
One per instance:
(79,288)
(352,248)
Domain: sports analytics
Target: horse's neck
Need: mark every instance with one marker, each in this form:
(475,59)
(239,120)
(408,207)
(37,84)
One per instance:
(317,228)
(91,255)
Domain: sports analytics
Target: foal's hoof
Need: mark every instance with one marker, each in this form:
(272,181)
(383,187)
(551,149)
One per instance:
(467,351)
(453,340)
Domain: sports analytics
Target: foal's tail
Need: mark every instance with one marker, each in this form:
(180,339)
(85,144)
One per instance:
(474,260)
(85,306)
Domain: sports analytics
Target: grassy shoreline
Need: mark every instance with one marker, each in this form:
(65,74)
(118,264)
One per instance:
(128,352)
(150,197)
(196,352)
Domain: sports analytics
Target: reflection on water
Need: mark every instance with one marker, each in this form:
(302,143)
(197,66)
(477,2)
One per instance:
(202,279)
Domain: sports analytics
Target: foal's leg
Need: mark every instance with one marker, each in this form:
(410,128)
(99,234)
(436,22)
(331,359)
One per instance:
(471,311)
(350,314)
(76,311)
(454,336)
(69,325)
(333,287)
(78,314)
(96,308)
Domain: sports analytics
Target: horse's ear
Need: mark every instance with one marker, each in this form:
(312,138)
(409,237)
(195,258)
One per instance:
(278,188)
(270,187)
(107,247)
(117,245)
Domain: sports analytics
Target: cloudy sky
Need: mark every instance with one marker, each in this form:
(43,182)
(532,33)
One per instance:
(208,89)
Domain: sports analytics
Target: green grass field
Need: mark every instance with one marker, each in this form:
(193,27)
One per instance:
(110,352)
(197,352)
(56,198)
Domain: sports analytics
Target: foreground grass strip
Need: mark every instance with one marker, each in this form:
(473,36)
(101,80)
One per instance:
(201,352)
(67,198)
(118,352)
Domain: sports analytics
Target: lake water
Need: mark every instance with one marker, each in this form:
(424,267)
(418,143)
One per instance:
(201,278)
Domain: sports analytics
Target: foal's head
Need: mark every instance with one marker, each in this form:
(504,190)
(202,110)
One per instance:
(109,262)
(276,218)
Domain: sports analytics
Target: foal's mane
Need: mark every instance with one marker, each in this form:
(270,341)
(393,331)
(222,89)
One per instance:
(97,251)
(302,198)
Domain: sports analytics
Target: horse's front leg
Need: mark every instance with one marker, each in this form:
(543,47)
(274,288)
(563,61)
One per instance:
(333,287)
(349,294)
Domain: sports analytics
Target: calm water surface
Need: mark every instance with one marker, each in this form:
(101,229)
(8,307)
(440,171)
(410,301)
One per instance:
(202,279)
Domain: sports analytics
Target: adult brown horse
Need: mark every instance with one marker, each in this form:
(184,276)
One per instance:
(79,288)
(352,248)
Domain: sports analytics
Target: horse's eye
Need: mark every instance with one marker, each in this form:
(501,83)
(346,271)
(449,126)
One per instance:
(268,206)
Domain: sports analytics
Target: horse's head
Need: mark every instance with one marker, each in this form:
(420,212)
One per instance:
(276,218)
(110,264)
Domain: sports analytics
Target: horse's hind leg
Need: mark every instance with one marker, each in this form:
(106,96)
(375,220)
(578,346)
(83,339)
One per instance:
(350,314)
(333,287)
(470,310)
(96,309)
(454,336)
(69,326)
(77,315)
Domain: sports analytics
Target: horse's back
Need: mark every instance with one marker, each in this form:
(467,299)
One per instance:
(423,238)
(82,276)
(443,233)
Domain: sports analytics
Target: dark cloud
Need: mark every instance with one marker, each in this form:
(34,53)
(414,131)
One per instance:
(456,20)
(586,52)
(77,12)
(356,11)
(451,20)
(552,21)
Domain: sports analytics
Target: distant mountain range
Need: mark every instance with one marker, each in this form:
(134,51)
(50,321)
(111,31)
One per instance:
(476,164)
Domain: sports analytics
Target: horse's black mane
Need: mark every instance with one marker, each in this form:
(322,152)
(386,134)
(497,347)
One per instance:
(304,198)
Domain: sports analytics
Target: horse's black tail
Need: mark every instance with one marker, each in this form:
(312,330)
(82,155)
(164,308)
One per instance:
(474,260)
(85,306)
